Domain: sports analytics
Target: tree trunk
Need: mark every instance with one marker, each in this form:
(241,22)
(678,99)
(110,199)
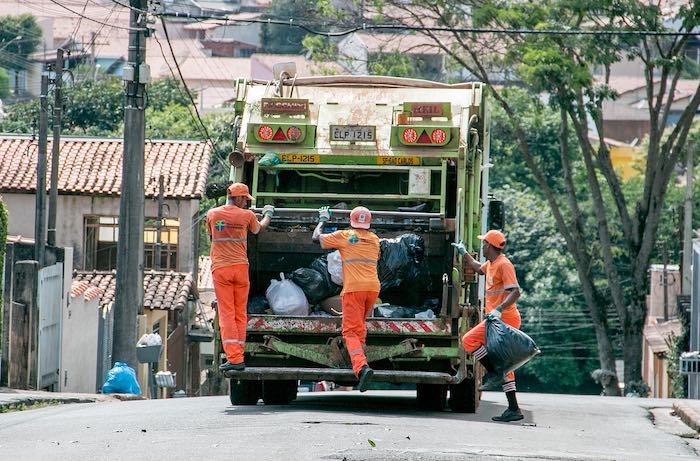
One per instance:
(606,356)
(633,329)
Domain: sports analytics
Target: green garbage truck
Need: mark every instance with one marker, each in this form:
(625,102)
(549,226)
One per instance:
(413,152)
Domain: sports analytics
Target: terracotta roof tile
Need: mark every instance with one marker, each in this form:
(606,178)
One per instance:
(93,166)
(161,290)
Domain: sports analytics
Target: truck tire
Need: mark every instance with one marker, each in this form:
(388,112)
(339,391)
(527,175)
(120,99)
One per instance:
(431,397)
(279,392)
(244,392)
(464,397)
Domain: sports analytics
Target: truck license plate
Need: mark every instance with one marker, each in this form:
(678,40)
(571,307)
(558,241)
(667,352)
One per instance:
(353,133)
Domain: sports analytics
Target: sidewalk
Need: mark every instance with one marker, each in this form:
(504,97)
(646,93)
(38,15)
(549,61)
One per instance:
(21,399)
(689,412)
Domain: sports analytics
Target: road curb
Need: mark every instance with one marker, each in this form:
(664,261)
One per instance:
(27,403)
(688,414)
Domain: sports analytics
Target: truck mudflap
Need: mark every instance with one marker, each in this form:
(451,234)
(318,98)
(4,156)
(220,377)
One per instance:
(344,375)
(333,325)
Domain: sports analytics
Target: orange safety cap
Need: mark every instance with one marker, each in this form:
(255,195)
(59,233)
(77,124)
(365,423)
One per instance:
(494,238)
(239,189)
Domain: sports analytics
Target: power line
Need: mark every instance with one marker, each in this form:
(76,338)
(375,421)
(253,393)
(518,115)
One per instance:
(464,30)
(138,29)
(189,93)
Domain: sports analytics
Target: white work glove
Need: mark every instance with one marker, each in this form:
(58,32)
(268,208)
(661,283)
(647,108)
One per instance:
(324,214)
(268,210)
(494,314)
(461,249)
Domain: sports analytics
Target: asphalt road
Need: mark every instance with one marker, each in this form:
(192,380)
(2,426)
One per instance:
(377,425)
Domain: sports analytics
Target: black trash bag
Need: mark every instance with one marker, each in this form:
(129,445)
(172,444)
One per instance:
(312,283)
(320,265)
(257,305)
(400,260)
(508,348)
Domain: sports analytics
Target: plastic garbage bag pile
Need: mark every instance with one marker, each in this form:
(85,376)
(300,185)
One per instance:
(315,289)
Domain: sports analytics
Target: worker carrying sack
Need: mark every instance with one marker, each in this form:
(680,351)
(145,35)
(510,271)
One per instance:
(286,298)
(508,348)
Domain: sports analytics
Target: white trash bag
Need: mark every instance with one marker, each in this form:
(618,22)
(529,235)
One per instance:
(335,267)
(286,298)
(150,339)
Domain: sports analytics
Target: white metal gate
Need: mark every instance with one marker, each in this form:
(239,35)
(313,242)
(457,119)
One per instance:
(694,379)
(50,300)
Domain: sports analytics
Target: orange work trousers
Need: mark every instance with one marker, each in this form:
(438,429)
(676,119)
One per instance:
(357,306)
(476,337)
(231,285)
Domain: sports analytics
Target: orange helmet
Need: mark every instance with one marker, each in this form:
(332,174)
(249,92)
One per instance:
(360,217)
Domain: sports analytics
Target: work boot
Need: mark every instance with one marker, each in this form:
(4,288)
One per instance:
(228,366)
(509,415)
(491,382)
(365,377)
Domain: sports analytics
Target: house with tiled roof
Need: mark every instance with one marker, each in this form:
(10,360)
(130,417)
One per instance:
(169,300)
(89,184)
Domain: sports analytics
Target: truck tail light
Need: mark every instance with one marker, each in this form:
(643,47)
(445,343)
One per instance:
(279,136)
(409,135)
(265,133)
(293,133)
(438,136)
(424,138)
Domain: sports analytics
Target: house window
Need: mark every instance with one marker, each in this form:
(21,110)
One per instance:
(101,235)
(169,232)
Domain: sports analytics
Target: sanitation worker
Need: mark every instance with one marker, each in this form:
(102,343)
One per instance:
(228,228)
(502,291)
(359,251)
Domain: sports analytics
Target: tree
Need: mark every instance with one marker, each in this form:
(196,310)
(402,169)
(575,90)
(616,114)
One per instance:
(19,37)
(94,107)
(560,66)
(282,39)
(4,84)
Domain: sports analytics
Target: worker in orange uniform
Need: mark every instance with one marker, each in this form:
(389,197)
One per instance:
(228,228)
(359,251)
(502,291)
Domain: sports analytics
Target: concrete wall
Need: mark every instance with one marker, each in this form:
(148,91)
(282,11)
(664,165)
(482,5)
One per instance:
(70,221)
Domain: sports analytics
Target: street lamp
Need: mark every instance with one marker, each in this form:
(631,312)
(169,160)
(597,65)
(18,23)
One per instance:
(19,37)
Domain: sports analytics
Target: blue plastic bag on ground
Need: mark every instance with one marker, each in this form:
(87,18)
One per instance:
(508,347)
(121,379)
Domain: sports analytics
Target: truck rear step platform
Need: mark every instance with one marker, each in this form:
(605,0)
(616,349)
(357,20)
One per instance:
(342,375)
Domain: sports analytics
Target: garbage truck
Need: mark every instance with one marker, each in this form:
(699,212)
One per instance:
(415,153)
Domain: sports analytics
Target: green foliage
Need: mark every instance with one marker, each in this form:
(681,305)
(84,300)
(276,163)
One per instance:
(167,92)
(283,39)
(553,312)
(19,37)
(394,64)
(541,125)
(172,122)
(94,107)
(4,84)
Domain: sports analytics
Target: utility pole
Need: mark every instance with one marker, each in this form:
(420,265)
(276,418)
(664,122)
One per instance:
(40,207)
(128,302)
(55,145)
(664,281)
(688,222)
(159,224)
